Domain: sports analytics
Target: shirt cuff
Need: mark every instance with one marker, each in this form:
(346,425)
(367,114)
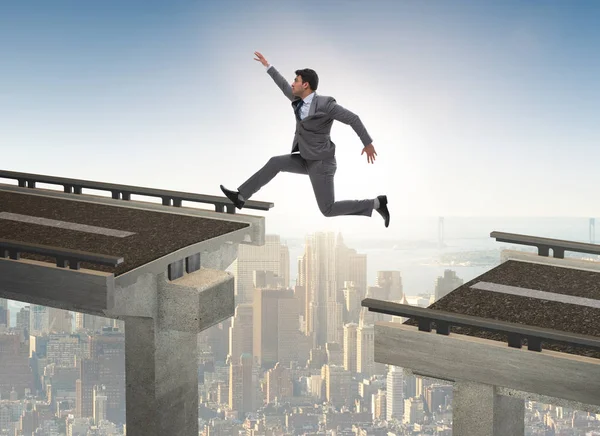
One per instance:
(268,66)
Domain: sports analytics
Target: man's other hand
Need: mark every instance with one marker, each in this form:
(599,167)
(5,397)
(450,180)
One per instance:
(370,150)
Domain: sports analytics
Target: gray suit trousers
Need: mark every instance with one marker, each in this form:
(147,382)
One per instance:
(321,173)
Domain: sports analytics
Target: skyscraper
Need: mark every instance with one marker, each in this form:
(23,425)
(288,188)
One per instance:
(240,332)
(394,394)
(351,303)
(365,350)
(267,257)
(241,389)
(350,344)
(23,319)
(288,329)
(38,320)
(279,383)
(447,283)
(321,283)
(59,320)
(4,314)
(274,317)
(391,281)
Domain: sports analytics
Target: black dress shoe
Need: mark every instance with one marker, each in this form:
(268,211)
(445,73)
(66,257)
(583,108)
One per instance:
(383,210)
(233,196)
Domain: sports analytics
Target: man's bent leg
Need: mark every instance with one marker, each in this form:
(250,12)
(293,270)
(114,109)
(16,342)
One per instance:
(288,163)
(321,175)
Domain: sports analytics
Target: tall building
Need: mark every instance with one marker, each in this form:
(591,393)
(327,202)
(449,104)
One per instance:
(288,329)
(105,367)
(62,349)
(15,372)
(394,394)
(342,262)
(38,320)
(391,281)
(267,279)
(335,322)
(300,294)
(414,411)
(59,321)
(302,282)
(352,303)
(446,284)
(321,282)
(284,265)
(275,316)
(240,332)
(279,384)
(100,400)
(4,313)
(365,350)
(88,377)
(335,354)
(84,321)
(367,388)
(267,257)
(379,405)
(410,386)
(23,320)
(338,385)
(438,397)
(357,271)
(241,387)
(350,343)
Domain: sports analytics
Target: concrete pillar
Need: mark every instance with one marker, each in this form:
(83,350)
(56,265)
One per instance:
(161,357)
(161,373)
(478,410)
(162,321)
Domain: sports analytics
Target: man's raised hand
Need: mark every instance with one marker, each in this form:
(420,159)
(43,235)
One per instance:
(370,150)
(260,58)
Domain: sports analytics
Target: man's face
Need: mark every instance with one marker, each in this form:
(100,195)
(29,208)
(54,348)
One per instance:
(298,87)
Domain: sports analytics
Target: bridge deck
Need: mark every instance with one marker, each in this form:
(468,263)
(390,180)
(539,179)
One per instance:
(569,301)
(139,236)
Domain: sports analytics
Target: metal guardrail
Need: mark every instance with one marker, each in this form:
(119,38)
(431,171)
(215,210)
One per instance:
(516,332)
(64,257)
(169,198)
(558,246)
(73,258)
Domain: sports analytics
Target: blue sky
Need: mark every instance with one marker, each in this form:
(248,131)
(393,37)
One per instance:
(476,108)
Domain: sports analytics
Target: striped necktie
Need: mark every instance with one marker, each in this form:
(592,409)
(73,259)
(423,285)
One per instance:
(297,110)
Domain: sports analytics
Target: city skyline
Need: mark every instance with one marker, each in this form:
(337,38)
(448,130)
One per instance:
(347,369)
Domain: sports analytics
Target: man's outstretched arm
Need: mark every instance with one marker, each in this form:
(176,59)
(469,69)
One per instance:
(345,116)
(279,80)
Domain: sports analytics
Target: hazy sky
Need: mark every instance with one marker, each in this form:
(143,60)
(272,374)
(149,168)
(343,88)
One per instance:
(476,108)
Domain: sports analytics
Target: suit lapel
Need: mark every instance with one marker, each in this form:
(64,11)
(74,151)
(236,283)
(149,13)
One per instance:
(313,105)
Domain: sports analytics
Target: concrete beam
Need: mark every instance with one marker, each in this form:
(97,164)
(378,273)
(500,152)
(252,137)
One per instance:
(515,393)
(468,358)
(195,301)
(46,284)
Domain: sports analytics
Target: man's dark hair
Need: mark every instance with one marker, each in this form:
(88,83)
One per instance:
(309,76)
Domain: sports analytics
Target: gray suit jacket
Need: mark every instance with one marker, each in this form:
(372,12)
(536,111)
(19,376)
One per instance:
(312,137)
